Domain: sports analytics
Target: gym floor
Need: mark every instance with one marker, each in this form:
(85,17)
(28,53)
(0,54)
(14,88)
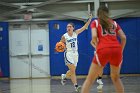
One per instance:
(131,84)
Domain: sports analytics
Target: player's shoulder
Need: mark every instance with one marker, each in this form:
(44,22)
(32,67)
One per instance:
(111,20)
(65,34)
(74,32)
(95,23)
(114,22)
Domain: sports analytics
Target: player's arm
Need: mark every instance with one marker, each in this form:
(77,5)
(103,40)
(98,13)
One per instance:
(78,31)
(62,39)
(122,36)
(92,43)
(94,36)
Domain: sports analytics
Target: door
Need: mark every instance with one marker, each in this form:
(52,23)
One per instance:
(40,50)
(29,56)
(19,51)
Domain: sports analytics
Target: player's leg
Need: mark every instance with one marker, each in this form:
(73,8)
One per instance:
(92,75)
(115,76)
(99,79)
(75,59)
(72,69)
(99,61)
(64,77)
(101,57)
(68,61)
(72,73)
(115,65)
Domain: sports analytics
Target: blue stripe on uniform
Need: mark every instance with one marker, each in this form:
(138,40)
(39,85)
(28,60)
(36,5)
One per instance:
(66,60)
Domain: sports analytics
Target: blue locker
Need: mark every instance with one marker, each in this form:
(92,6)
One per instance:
(4,49)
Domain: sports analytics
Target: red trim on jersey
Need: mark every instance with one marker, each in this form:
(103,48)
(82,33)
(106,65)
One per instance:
(105,38)
(111,55)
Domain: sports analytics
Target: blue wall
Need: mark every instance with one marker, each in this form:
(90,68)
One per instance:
(131,63)
(138,47)
(4,49)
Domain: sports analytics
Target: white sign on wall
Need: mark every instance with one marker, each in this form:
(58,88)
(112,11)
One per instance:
(39,41)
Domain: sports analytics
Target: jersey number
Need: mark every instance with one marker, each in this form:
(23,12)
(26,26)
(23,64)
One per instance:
(110,31)
(72,44)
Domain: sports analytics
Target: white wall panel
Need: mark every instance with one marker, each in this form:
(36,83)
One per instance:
(19,67)
(40,66)
(18,37)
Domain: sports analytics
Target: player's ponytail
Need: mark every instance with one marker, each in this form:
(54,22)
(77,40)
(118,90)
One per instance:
(103,15)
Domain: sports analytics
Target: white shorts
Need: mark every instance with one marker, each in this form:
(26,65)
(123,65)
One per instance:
(71,57)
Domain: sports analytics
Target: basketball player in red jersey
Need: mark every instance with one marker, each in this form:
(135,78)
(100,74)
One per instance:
(108,49)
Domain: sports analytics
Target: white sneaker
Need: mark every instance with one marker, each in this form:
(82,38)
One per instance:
(63,79)
(99,81)
(100,88)
(78,89)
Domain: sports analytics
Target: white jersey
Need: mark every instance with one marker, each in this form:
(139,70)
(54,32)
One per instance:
(71,42)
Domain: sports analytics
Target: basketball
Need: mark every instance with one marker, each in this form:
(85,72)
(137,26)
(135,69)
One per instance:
(60,47)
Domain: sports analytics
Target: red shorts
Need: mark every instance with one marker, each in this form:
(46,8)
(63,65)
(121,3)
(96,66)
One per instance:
(111,55)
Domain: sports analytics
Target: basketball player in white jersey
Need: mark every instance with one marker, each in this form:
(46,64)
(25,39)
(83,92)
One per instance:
(71,52)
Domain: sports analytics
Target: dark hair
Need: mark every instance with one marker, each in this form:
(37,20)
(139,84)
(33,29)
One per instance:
(72,24)
(103,15)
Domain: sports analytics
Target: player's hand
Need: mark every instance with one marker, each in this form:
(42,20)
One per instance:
(55,50)
(90,16)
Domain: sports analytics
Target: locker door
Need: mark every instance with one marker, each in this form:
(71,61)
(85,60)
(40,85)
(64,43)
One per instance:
(40,50)
(19,51)
(29,51)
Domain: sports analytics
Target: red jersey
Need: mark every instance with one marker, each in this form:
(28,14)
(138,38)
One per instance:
(106,38)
